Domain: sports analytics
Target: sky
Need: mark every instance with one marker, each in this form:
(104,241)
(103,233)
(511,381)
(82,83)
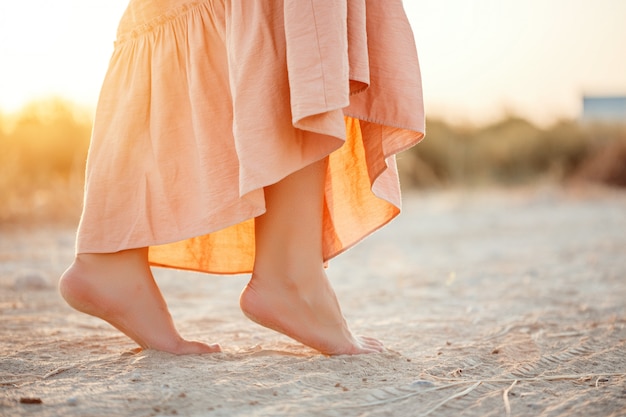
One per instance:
(481,60)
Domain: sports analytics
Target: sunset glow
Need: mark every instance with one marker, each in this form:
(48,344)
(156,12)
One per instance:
(480,60)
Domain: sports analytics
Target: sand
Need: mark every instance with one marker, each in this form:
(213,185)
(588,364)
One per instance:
(491,303)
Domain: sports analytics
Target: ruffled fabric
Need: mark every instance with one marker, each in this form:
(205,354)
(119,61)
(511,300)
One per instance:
(207,102)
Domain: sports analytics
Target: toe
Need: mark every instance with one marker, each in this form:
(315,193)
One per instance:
(371,343)
(191,348)
(204,348)
(367,350)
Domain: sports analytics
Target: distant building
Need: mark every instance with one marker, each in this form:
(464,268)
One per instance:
(609,109)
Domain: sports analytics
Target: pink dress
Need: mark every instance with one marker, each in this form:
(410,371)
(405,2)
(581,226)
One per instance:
(206,102)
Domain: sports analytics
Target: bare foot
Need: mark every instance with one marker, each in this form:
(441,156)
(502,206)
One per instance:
(289,291)
(120,289)
(310,315)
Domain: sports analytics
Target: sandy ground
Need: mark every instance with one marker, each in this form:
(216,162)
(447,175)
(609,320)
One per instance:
(491,303)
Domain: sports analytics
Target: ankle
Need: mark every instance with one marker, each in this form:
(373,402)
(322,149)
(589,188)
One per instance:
(300,283)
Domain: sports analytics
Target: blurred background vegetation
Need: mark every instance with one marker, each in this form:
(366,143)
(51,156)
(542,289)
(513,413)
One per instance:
(43,149)
(513,151)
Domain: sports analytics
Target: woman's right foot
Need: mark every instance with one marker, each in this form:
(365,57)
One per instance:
(289,291)
(311,316)
(120,289)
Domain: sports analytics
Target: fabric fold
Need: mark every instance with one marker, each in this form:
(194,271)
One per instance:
(207,102)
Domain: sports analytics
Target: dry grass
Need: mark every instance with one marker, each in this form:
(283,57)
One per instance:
(44,148)
(513,151)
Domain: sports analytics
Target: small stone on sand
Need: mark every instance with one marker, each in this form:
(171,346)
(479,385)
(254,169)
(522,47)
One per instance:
(30,400)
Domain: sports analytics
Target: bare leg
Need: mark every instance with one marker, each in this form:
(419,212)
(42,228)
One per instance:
(289,291)
(120,289)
